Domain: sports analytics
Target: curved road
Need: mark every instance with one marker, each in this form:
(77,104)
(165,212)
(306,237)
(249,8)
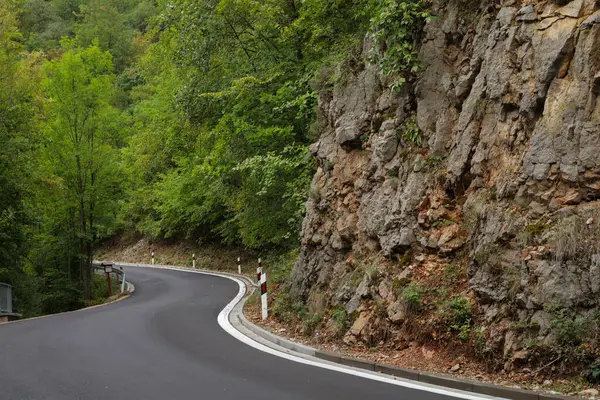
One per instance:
(162,343)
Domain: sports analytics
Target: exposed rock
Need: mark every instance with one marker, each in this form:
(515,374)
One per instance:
(520,356)
(386,290)
(508,113)
(527,14)
(397,312)
(455,368)
(357,328)
(573,9)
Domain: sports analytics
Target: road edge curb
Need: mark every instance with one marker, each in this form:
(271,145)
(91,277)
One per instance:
(404,373)
(443,381)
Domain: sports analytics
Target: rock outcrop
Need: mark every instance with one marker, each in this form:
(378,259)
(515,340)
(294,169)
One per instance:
(503,178)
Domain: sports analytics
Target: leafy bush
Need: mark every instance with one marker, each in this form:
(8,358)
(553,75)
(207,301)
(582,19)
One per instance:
(454,272)
(288,309)
(570,330)
(411,132)
(340,319)
(593,375)
(412,297)
(310,323)
(457,314)
(460,309)
(396,25)
(58,293)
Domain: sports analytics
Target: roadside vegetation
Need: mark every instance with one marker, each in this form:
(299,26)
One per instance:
(178,120)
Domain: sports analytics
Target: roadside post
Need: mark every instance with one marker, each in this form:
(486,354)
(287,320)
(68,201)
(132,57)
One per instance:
(263,296)
(239,265)
(108,270)
(259,271)
(123,284)
(152,257)
(194,260)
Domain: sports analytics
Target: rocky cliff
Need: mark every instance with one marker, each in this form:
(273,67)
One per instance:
(464,208)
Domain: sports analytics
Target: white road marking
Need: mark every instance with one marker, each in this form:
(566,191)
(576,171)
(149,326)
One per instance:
(223,320)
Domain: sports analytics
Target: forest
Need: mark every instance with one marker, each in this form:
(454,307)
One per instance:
(170,119)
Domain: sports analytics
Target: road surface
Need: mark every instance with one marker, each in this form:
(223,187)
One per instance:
(162,343)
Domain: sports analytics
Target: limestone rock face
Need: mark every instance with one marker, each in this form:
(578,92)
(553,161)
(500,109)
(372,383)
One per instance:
(507,108)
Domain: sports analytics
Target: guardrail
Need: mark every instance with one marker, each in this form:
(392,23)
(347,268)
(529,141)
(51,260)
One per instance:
(118,271)
(5,298)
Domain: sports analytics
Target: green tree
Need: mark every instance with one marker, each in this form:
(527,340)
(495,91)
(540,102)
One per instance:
(102,23)
(16,111)
(82,131)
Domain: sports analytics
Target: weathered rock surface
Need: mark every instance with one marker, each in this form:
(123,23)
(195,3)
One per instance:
(508,112)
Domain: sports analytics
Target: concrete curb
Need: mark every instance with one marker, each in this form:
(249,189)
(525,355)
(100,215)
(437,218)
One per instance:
(237,317)
(434,379)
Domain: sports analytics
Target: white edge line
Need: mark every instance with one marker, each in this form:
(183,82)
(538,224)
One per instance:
(223,320)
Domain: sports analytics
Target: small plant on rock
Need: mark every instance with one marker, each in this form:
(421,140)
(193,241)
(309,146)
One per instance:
(310,323)
(339,316)
(412,133)
(412,297)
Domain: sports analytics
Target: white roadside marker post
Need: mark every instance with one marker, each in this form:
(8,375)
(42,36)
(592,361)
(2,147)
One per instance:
(259,271)
(194,260)
(152,257)
(263,296)
(239,266)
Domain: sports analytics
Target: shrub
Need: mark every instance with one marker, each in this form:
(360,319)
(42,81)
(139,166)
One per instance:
(288,309)
(457,314)
(454,272)
(412,133)
(532,232)
(460,308)
(310,323)
(340,318)
(593,375)
(396,26)
(412,297)
(570,331)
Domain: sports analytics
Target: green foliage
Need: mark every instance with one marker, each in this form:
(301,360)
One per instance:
(395,26)
(458,316)
(460,309)
(59,293)
(82,131)
(570,330)
(280,266)
(102,23)
(532,232)
(411,131)
(593,375)
(171,118)
(310,323)
(412,297)
(341,320)
(454,272)
(289,309)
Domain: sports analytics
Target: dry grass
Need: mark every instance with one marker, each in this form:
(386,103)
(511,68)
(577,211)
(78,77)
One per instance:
(574,239)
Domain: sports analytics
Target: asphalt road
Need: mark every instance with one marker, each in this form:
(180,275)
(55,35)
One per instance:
(162,343)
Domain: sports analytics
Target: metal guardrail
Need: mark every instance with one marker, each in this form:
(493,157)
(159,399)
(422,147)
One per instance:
(101,269)
(5,298)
